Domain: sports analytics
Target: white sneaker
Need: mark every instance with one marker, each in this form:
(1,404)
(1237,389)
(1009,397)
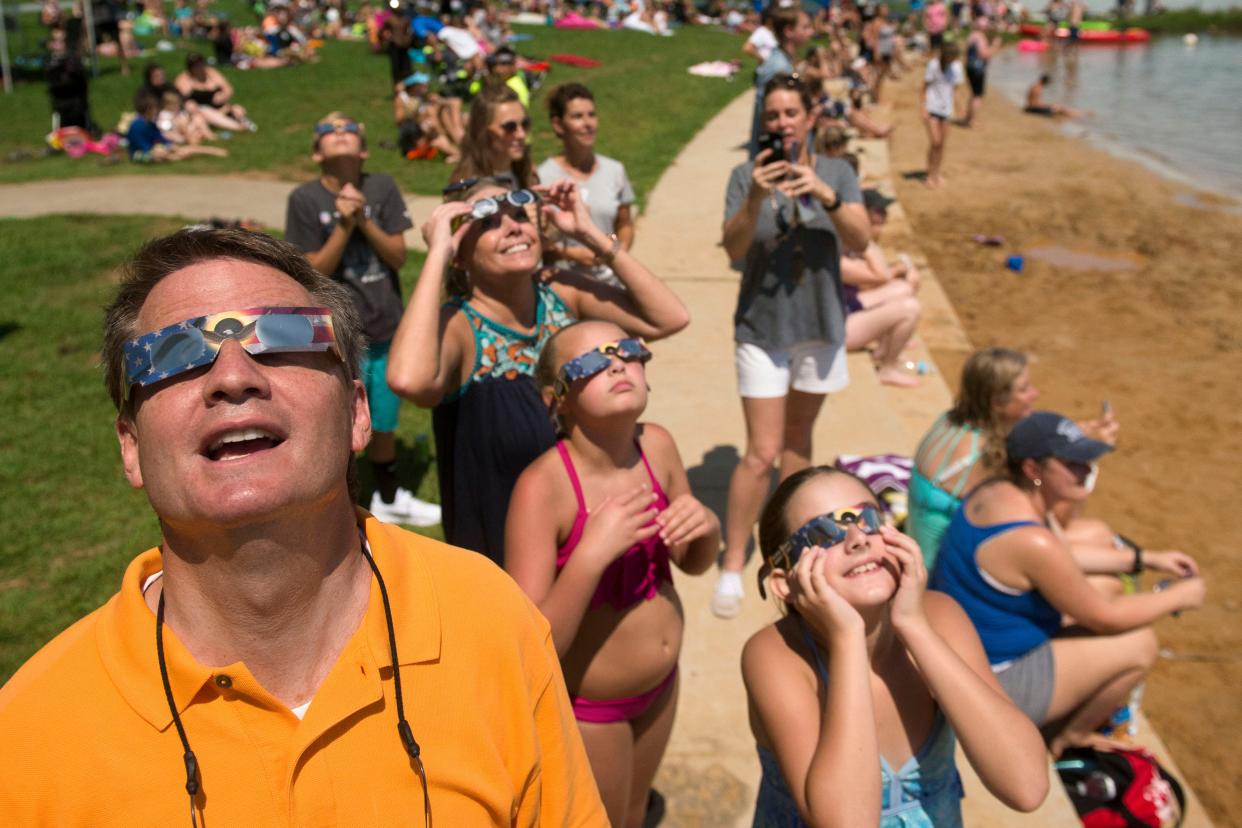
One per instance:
(727,599)
(405,508)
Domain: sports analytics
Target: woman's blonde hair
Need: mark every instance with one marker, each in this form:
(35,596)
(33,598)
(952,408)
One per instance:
(987,380)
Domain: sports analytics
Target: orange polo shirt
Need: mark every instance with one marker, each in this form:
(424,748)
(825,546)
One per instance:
(86,737)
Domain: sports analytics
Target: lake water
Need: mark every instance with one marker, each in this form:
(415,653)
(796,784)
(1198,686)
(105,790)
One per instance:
(1174,107)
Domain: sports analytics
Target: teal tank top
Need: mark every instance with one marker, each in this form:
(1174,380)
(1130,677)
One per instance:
(931,505)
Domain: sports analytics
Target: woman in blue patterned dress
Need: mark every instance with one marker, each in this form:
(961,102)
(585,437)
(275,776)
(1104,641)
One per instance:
(472,358)
(858,694)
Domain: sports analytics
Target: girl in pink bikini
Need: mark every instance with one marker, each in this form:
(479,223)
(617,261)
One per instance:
(593,525)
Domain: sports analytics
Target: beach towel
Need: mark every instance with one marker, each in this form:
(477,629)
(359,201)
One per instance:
(888,477)
(715,69)
(573,20)
(575,60)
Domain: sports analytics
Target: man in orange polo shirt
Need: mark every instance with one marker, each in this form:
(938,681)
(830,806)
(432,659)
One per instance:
(281,658)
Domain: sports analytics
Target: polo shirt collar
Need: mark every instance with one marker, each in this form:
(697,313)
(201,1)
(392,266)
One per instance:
(126,629)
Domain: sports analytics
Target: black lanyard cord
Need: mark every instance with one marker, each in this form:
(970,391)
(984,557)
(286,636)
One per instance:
(404,731)
(191,762)
(403,726)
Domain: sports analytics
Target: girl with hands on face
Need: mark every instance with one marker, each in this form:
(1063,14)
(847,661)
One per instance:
(594,524)
(859,694)
(472,358)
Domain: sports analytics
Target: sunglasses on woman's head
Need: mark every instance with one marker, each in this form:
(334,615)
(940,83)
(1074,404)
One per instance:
(822,531)
(163,354)
(510,127)
(596,360)
(516,203)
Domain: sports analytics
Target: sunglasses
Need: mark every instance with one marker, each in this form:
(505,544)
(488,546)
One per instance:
(1076,467)
(352,127)
(160,355)
(516,203)
(823,531)
(510,127)
(596,360)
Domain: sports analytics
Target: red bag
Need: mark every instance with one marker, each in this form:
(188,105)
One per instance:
(1121,789)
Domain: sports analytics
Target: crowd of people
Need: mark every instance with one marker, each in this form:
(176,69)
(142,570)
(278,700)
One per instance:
(547,695)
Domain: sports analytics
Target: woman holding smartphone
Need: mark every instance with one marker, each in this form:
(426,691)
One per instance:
(788,217)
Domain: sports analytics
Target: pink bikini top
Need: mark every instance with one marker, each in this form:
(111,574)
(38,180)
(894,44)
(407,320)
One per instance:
(637,574)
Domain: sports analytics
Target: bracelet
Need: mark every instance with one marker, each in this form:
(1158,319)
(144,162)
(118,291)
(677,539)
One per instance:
(611,255)
(836,202)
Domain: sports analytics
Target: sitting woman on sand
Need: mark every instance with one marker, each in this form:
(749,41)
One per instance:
(593,526)
(966,444)
(1035,104)
(211,93)
(881,306)
(1017,581)
(787,221)
(866,670)
(496,141)
(471,359)
(601,180)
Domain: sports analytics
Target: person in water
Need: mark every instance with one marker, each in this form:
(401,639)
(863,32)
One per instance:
(1035,104)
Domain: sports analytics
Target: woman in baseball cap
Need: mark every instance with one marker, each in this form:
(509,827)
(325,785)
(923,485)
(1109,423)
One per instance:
(1017,580)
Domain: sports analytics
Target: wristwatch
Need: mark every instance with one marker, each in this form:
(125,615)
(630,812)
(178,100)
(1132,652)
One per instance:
(607,258)
(836,202)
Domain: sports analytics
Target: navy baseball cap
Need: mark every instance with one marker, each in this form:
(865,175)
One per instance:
(1047,434)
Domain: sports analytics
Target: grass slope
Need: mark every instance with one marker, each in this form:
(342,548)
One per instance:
(649,105)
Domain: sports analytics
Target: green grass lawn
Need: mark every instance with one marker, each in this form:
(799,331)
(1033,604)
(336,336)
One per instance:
(649,106)
(71,521)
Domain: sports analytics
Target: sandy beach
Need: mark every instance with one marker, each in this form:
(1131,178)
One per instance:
(1152,326)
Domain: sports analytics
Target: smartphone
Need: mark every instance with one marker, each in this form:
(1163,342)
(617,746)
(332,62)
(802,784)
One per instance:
(772,141)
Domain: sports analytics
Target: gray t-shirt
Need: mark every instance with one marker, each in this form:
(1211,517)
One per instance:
(607,190)
(791,277)
(310,218)
(604,192)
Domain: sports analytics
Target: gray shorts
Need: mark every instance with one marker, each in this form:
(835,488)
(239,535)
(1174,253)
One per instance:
(1028,680)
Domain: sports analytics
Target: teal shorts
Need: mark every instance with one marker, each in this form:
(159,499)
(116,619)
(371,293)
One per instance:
(384,403)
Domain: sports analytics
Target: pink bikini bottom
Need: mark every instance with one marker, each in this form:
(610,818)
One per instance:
(620,710)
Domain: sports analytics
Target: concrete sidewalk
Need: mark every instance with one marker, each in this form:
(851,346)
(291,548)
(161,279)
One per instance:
(188,196)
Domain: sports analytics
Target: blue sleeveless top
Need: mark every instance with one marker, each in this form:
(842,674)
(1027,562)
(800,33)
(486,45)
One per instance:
(1011,622)
(925,792)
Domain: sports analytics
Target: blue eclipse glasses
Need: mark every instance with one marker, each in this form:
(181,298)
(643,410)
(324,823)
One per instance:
(163,354)
(352,127)
(596,360)
(823,531)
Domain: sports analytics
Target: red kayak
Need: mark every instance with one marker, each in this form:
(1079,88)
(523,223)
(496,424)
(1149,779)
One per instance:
(1092,35)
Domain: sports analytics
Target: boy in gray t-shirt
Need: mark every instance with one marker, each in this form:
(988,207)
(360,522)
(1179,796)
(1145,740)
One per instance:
(350,225)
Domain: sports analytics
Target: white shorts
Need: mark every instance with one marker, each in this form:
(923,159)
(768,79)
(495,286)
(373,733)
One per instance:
(814,367)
